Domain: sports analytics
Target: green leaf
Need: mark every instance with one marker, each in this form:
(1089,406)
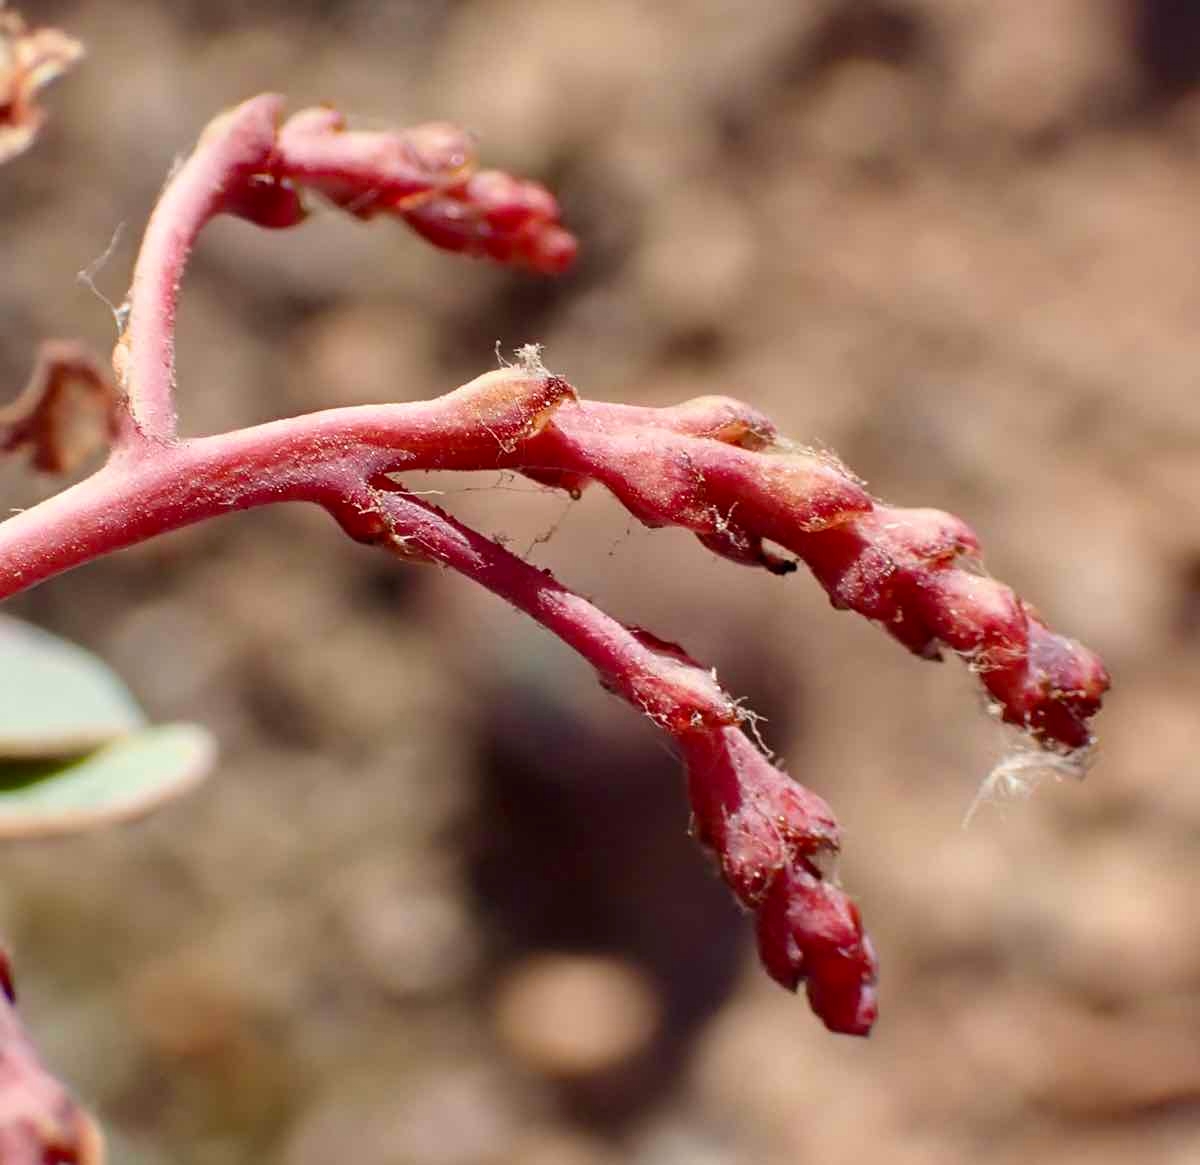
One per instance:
(117,782)
(56,698)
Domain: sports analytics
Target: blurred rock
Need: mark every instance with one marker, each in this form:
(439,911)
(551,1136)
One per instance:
(550,1146)
(867,115)
(1031,67)
(575,1016)
(411,937)
(453,1117)
(1059,1056)
(357,355)
(698,261)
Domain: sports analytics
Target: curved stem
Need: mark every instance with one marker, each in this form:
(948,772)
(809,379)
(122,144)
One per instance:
(230,151)
(771,836)
(248,165)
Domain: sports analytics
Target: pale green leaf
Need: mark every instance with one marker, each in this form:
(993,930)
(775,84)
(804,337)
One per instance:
(56,698)
(117,782)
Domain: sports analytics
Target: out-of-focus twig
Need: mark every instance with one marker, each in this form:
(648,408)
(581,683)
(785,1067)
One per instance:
(40,1123)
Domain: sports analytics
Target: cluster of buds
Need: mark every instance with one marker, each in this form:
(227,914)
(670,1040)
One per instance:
(426,176)
(775,842)
(717,467)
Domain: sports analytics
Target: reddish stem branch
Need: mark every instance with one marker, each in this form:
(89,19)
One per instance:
(183,482)
(767,832)
(717,468)
(247,165)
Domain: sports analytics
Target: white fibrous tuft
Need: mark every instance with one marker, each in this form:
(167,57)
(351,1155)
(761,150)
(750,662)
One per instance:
(529,358)
(1021,770)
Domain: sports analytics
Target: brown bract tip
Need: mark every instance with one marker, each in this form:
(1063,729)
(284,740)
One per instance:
(29,60)
(67,410)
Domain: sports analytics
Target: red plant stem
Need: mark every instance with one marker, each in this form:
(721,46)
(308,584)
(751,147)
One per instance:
(195,480)
(216,176)
(710,465)
(765,830)
(248,165)
(144,360)
(182,482)
(671,689)
(487,424)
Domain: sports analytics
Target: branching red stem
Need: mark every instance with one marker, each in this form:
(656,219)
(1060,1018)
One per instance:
(712,465)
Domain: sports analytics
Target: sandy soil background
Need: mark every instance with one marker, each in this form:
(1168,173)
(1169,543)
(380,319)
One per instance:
(438,904)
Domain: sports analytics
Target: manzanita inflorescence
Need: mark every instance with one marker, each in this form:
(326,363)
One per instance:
(712,465)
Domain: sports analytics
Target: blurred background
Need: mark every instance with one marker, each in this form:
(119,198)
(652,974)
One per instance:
(439,905)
